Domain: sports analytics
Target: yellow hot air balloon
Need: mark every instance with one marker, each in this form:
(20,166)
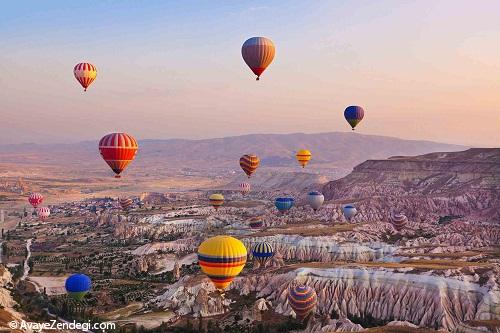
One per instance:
(222,258)
(303,156)
(216,200)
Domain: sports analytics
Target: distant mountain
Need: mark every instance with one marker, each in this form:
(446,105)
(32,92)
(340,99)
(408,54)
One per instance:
(465,183)
(340,151)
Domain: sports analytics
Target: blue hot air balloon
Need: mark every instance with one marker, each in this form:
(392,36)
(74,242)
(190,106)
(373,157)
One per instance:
(263,252)
(354,114)
(283,204)
(77,285)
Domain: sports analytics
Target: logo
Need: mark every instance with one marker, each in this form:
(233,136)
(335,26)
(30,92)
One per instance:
(13,324)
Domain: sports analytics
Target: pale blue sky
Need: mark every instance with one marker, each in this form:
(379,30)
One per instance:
(421,69)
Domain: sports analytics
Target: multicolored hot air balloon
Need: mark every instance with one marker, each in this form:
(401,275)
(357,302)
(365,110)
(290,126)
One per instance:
(399,221)
(249,163)
(43,213)
(255,222)
(283,204)
(78,285)
(315,199)
(126,203)
(245,188)
(303,157)
(222,258)
(85,73)
(258,53)
(354,114)
(263,252)
(118,150)
(302,300)
(216,200)
(349,211)
(35,199)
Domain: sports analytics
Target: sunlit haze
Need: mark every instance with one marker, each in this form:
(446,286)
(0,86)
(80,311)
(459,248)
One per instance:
(421,69)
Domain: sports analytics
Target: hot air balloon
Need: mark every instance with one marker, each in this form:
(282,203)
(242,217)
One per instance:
(349,211)
(35,199)
(222,258)
(302,300)
(263,252)
(283,204)
(126,203)
(354,114)
(258,53)
(245,188)
(42,212)
(399,221)
(303,157)
(249,163)
(77,285)
(255,222)
(118,150)
(216,200)
(85,73)
(315,199)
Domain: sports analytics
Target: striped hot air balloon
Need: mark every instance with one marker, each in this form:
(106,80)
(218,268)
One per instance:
(85,73)
(245,188)
(222,258)
(303,157)
(349,211)
(302,300)
(263,252)
(255,222)
(118,150)
(216,200)
(315,199)
(354,114)
(258,53)
(35,199)
(399,221)
(284,204)
(126,203)
(43,213)
(249,163)
(77,285)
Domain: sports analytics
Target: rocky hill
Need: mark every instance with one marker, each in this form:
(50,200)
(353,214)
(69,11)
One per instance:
(463,183)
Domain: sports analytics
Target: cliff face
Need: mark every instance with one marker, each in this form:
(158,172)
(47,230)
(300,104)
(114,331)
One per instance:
(439,184)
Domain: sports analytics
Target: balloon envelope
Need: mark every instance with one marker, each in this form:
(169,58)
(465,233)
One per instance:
(118,150)
(354,114)
(35,199)
(222,258)
(216,200)
(255,222)
(302,300)
(42,212)
(399,221)
(249,163)
(245,188)
(77,285)
(258,53)
(85,73)
(349,211)
(303,157)
(315,199)
(126,203)
(283,204)
(263,252)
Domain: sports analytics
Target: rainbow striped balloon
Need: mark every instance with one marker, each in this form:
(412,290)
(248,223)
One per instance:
(222,258)
(255,222)
(249,163)
(216,200)
(302,299)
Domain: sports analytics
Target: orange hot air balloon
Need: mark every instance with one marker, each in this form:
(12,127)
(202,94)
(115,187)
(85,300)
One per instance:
(258,53)
(118,150)
(85,73)
(249,163)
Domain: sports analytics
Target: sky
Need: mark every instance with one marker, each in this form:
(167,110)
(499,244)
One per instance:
(173,69)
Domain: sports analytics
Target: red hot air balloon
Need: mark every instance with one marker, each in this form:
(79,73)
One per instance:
(258,53)
(85,73)
(118,150)
(43,213)
(245,188)
(35,199)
